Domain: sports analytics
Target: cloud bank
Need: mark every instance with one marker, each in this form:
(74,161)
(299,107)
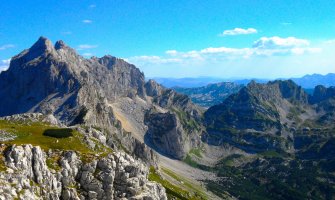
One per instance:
(263,47)
(239,31)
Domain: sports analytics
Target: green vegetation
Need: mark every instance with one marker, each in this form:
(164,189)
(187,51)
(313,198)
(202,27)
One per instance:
(34,133)
(50,137)
(188,160)
(271,154)
(229,160)
(294,114)
(172,191)
(197,190)
(188,122)
(275,178)
(2,163)
(196,152)
(53,162)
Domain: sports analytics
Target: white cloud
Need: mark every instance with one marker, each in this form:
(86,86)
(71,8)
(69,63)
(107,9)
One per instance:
(226,50)
(263,47)
(4,64)
(239,31)
(93,6)
(6,46)
(86,46)
(301,51)
(152,59)
(330,41)
(285,57)
(171,52)
(278,43)
(87,21)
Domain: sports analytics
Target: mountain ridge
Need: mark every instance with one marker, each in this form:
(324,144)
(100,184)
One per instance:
(106,111)
(308,81)
(54,79)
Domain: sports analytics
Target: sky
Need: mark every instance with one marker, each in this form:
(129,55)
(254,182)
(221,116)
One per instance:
(183,38)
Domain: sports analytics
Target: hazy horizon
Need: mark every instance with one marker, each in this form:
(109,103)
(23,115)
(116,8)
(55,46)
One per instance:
(235,78)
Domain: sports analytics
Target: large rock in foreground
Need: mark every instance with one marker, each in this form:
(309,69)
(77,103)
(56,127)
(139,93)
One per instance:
(117,176)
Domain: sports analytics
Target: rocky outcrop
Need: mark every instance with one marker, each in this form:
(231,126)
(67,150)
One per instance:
(266,116)
(174,124)
(54,80)
(322,93)
(153,88)
(166,135)
(116,176)
(32,117)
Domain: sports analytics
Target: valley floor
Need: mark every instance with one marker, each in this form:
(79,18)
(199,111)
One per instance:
(189,178)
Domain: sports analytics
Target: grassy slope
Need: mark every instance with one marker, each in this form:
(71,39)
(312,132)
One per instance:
(173,191)
(36,134)
(33,133)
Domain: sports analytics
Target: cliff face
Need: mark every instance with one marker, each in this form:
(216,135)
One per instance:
(174,125)
(28,176)
(268,116)
(54,79)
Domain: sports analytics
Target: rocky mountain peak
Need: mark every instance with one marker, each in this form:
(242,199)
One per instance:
(286,89)
(42,43)
(56,80)
(41,47)
(114,62)
(153,88)
(60,44)
(322,93)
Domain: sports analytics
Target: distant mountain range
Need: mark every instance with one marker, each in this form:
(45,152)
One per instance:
(307,81)
(211,94)
(76,128)
(310,81)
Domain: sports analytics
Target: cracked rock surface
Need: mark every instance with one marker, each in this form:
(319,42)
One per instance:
(116,176)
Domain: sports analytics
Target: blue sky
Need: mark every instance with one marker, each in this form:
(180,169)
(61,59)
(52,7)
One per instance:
(221,38)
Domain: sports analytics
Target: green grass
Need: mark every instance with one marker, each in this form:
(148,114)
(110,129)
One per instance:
(172,191)
(229,160)
(188,160)
(197,190)
(196,152)
(271,154)
(35,133)
(53,162)
(2,163)
(188,122)
(50,137)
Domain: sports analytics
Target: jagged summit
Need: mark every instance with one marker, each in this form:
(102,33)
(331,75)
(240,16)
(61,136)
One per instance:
(42,43)
(278,89)
(60,44)
(44,77)
(56,80)
(273,110)
(41,47)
